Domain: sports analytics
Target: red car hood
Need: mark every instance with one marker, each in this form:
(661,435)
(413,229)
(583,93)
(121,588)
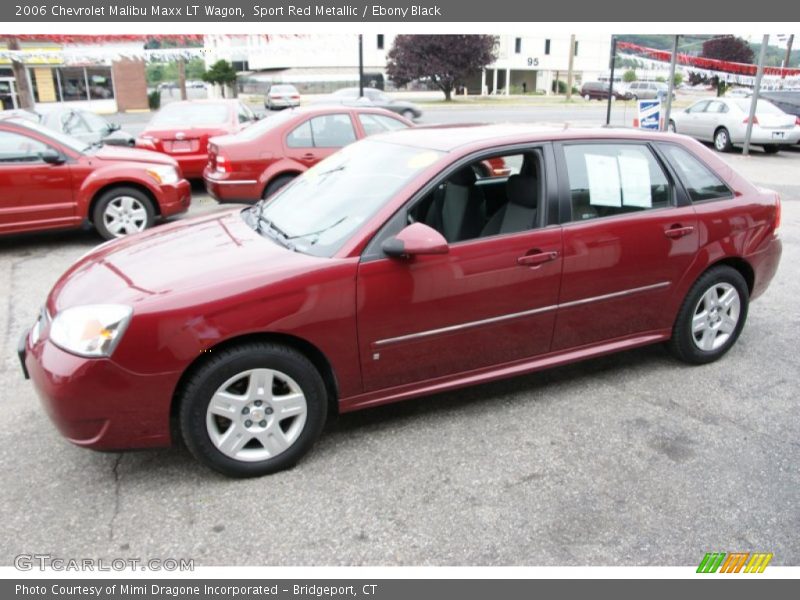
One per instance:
(120,153)
(190,261)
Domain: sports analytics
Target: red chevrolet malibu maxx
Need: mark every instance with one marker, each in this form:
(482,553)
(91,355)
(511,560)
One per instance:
(395,268)
(257,162)
(49,180)
(182,130)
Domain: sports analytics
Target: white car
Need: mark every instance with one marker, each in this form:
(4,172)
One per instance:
(723,121)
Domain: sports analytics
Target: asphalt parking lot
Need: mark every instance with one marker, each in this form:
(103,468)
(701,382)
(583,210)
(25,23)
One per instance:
(633,459)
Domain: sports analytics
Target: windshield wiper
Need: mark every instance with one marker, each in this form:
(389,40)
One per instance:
(318,232)
(274,232)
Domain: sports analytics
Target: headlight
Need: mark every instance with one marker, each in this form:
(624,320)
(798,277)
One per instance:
(163,174)
(92,330)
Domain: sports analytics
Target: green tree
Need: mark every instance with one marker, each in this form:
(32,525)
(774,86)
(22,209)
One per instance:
(629,76)
(222,73)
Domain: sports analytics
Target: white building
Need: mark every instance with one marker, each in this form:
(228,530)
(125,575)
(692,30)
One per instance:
(324,62)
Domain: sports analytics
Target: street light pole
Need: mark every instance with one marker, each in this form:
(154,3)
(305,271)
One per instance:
(611,78)
(756,90)
(672,61)
(360,65)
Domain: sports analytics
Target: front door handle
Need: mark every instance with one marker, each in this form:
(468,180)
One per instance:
(676,231)
(309,155)
(536,258)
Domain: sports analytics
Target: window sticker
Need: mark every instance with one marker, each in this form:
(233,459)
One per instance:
(604,183)
(635,175)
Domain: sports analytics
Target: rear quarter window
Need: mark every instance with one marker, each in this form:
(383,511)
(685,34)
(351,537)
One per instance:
(700,182)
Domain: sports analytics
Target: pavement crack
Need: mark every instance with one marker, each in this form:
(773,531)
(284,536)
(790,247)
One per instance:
(117,491)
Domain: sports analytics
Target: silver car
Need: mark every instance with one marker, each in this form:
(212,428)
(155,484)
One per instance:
(282,96)
(86,126)
(723,121)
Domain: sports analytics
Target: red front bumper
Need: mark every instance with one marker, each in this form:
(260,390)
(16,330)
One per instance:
(97,404)
(174,199)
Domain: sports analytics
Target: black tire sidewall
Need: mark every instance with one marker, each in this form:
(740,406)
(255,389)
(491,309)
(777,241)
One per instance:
(728,144)
(108,196)
(276,184)
(682,342)
(209,377)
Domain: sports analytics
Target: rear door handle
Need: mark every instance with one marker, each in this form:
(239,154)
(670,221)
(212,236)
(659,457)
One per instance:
(676,232)
(309,155)
(537,258)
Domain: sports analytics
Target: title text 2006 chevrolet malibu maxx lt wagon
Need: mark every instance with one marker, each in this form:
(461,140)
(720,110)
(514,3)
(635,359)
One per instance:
(396,268)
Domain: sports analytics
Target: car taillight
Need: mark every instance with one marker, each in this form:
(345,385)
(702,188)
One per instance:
(777,212)
(147,142)
(755,120)
(223,165)
(296,97)
(797,121)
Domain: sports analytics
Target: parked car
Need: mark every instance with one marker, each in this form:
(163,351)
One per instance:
(182,130)
(787,101)
(86,126)
(374,97)
(49,180)
(723,121)
(598,90)
(739,92)
(390,271)
(648,90)
(281,96)
(258,161)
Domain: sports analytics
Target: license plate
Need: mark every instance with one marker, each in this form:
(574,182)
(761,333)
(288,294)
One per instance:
(777,135)
(181,146)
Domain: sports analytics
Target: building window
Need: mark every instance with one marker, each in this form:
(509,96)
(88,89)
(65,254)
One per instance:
(575,52)
(517,45)
(71,84)
(380,41)
(547,46)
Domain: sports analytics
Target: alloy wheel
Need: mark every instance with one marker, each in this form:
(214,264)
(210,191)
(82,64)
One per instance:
(125,215)
(716,316)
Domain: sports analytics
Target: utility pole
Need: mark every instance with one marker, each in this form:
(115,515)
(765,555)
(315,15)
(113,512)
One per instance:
(182,77)
(24,92)
(611,78)
(756,90)
(360,65)
(788,57)
(672,61)
(569,66)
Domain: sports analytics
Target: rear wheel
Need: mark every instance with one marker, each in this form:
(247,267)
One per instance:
(253,410)
(122,211)
(722,140)
(277,184)
(671,126)
(409,114)
(712,316)
(771,149)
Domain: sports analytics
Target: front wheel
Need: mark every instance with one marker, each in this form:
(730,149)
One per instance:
(253,409)
(122,211)
(712,316)
(409,114)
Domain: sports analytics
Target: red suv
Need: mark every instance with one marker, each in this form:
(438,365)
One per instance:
(182,130)
(400,267)
(49,180)
(262,159)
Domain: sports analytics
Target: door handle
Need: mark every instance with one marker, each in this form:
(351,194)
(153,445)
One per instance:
(676,231)
(536,258)
(309,155)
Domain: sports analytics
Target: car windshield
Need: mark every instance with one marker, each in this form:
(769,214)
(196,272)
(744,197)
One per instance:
(264,125)
(321,209)
(192,115)
(61,138)
(282,89)
(762,108)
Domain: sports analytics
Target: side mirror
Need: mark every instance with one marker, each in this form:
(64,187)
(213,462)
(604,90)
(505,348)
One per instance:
(51,157)
(260,115)
(113,127)
(416,239)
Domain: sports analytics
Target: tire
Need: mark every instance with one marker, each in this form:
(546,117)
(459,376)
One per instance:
(276,184)
(671,126)
(122,211)
(409,114)
(587,97)
(771,149)
(635,98)
(241,434)
(722,140)
(711,317)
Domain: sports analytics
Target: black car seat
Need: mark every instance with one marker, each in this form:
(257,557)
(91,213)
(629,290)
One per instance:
(458,211)
(519,213)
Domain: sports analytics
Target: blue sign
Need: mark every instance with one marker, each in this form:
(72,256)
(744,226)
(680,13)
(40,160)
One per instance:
(650,114)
